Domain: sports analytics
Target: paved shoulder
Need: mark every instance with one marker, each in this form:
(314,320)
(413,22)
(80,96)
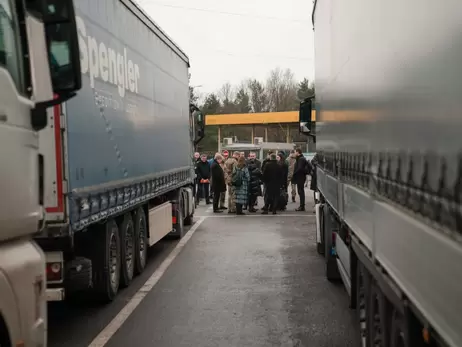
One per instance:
(243,282)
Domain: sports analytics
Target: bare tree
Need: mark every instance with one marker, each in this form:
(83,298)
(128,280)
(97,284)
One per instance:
(258,96)
(282,90)
(227,97)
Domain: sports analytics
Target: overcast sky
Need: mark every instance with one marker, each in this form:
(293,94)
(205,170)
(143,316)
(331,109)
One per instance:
(232,40)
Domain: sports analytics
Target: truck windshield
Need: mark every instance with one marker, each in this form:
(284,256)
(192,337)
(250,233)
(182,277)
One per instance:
(10,57)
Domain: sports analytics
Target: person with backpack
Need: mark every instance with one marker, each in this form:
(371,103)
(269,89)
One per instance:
(240,181)
(302,168)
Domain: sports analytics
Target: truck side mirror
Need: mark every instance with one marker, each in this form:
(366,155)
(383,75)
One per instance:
(199,120)
(63,48)
(304,115)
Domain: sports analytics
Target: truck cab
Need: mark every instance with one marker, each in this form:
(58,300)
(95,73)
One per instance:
(30,34)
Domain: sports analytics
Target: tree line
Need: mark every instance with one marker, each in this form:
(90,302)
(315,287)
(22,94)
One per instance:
(280,92)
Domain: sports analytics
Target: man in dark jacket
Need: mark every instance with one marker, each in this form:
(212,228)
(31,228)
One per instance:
(218,182)
(196,159)
(203,176)
(263,164)
(265,161)
(302,168)
(255,181)
(273,177)
(283,198)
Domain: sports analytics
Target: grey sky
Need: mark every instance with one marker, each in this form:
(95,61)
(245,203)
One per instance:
(229,41)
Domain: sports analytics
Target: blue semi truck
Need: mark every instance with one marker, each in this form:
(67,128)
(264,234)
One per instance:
(117,159)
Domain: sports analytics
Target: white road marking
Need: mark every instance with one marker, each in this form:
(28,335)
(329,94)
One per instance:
(263,215)
(105,335)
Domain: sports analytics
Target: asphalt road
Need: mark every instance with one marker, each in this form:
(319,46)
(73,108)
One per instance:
(238,281)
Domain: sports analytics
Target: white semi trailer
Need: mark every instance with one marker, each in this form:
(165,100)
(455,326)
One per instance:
(389,171)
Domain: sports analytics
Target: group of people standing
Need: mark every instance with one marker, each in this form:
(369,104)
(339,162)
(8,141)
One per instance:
(243,179)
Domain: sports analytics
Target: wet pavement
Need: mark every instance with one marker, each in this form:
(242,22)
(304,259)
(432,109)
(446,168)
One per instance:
(239,281)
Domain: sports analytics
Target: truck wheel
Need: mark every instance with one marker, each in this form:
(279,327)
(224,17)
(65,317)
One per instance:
(320,245)
(4,335)
(189,219)
(398,335)
(332,272)
(127,250)
(106,261)
(179,226)
(363,290)
(378,317)
(141,240)
(79,276)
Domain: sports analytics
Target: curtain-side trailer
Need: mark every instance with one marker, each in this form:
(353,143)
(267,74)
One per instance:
(118,158)
(389,167)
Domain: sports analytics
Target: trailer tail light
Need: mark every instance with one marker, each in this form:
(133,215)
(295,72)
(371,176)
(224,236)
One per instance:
(54,272)
(173,220)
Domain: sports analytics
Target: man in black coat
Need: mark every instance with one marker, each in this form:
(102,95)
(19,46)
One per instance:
(273,177)
(218,182)
(254,189)
(203,176)
(302,168)
(196,159)
(263,165)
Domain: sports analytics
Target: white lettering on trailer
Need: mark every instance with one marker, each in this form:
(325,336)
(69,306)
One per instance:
(100,61)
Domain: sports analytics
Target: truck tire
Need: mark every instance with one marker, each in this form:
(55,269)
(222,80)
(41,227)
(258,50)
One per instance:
(179,226)
(331,267)
(141,240)
(4,334)
(189,219)
(127,250)
(79,276)
(320,247)
(378,316)
(363,290)
(398,335)
(106,261)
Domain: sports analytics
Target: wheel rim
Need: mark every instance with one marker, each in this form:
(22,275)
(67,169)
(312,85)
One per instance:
(113,259)
(129,249)
(362,308)
(142,241)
